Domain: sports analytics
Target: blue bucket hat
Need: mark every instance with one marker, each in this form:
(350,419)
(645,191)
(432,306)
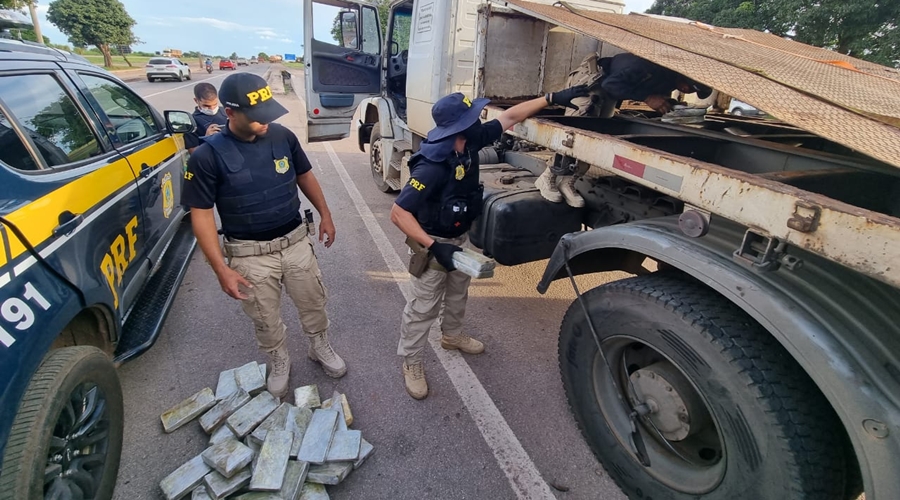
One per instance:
(453,114)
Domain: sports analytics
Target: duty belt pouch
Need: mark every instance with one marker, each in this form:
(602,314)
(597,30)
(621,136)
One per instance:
(418,261)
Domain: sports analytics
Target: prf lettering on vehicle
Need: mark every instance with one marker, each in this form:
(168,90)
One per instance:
(263,94)
(116,261)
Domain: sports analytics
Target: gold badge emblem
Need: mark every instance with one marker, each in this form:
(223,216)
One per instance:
(282,165)
(460,172)
(168,195)
(466,101)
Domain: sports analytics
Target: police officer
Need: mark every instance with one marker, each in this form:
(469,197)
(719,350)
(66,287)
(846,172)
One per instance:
(436,208)
(250,172)
(612,80)
(208,114)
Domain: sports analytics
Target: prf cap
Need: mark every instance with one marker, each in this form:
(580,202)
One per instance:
(251,95)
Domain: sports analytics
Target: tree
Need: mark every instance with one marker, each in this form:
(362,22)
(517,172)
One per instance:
(262,56)
(866,29)
(29,35)
(100,23)
(233,56)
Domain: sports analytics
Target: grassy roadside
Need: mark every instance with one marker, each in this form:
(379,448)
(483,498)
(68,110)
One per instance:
(138,62)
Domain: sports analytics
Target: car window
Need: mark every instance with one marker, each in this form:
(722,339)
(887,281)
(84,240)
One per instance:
(131,117)
(12,150)
(159,61)
(50,118)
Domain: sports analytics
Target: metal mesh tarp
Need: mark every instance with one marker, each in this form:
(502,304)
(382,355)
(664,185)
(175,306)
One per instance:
(856,104)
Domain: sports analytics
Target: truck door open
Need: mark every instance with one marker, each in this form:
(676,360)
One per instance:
(343,64)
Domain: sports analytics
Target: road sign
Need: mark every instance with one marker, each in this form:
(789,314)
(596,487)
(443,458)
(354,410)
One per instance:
(290,57)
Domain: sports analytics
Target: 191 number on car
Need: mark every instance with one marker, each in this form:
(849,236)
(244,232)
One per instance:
(19,312)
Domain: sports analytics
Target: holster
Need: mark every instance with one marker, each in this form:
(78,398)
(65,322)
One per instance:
(418,261)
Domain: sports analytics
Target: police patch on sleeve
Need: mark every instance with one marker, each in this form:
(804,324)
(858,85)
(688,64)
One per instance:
(282,165)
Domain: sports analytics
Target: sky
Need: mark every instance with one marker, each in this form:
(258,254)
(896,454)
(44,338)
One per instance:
(224,26)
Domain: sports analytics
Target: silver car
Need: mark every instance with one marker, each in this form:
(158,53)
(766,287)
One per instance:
(160,68)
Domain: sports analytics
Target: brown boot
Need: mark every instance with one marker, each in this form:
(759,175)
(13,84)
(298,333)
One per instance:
(414,376)
(279,372)
(321,352)
(464,343)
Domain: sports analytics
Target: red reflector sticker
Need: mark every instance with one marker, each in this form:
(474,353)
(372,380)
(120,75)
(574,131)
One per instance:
(316,111)
(629,166)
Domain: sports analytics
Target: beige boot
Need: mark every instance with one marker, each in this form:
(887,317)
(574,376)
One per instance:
(464,343)
(414,376)
(279,372)
(546,183)
(321,352)
(566,185)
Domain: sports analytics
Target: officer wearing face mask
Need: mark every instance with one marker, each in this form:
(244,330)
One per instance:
(208,114)
(435,210)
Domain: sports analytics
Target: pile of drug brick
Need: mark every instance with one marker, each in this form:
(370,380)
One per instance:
(260,449)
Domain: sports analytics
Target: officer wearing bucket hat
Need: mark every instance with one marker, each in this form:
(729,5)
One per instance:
(250,172)
(435,210)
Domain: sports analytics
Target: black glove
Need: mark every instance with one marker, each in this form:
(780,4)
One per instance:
(443,253)
(564,97)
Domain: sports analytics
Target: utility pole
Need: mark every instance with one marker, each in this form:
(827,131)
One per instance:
(34,20)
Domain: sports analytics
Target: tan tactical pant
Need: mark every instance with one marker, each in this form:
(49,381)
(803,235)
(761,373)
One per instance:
(436,294)
(596,104)
(297,269)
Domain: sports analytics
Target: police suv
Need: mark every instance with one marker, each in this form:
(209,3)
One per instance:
(93,246)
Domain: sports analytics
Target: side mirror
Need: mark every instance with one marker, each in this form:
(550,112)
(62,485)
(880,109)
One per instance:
(180,122)
(349,30)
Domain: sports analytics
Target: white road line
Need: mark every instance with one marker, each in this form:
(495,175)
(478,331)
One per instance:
(521,472)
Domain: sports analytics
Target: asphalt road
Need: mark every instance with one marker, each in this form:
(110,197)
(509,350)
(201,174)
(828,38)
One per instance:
(490,424)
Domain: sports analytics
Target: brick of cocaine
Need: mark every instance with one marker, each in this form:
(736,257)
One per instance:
(268,474)
(277,421)
(294,479)
(200,493)
(343,409)
(249,378)
(184,479)
(345,446)
(297,422)
(252,414)
(220,486)
(307,397)
(228,457)
(217,415)
(221,434)
(313,491)
(227,384)
(188,409)
(474,264)
(318,436)
(330,474)
(365,451)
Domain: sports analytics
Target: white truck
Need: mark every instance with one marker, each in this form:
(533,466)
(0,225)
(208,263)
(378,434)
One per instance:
(755,354)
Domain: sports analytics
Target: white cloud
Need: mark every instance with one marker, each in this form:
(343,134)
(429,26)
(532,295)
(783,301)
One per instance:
(285,40)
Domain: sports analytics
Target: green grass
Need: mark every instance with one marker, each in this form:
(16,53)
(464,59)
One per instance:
(138,62)
(293,64)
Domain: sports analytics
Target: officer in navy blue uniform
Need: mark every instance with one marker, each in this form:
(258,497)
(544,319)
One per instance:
(436,208)
(250,173)
(208,114)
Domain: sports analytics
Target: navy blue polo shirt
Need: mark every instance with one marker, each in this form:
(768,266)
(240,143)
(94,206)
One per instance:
(192,140)
(202,184)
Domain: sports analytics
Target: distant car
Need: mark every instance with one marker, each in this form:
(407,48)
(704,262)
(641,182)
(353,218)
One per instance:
(165,68)
(227,64)
(741,108)
(242,62)
(253,60)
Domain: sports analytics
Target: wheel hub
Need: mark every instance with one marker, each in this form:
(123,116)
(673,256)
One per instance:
(675,408)
(376,156)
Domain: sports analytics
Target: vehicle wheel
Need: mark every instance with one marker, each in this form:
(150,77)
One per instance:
(150,79)
(66,439)
(189,75)
(180,76)
(732,415)
(375,162)
(737,111)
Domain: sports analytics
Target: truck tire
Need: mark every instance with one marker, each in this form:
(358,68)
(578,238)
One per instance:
(375,146)
(745,421)
(73,404)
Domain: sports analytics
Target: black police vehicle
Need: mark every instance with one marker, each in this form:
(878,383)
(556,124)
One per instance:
(93,246)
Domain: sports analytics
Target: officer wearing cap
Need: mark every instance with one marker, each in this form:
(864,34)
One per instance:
(435,210)
(250,172)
